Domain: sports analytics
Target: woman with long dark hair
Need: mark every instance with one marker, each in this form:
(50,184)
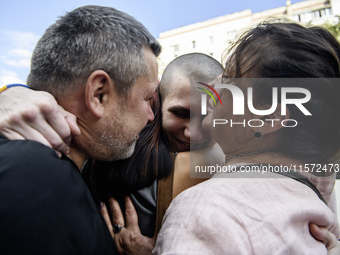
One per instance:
(136,176)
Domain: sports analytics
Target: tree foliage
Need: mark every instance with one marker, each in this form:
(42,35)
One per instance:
(334,27)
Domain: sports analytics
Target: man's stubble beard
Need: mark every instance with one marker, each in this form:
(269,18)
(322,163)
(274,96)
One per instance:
(115,140)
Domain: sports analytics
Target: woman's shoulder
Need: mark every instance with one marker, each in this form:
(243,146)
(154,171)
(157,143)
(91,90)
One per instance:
(185,163)
(205,156)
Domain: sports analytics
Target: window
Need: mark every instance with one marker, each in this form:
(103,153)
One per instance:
(322,13)
(193,44)
(231,36)
(309,16)
(325,12)
(306,17)
(176,49)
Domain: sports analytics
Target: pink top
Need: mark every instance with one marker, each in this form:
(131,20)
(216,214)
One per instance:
(248,216)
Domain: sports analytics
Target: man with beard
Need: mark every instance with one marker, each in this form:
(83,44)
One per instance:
(82,60)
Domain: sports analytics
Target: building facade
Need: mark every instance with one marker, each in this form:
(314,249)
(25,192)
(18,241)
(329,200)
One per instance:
(213,36)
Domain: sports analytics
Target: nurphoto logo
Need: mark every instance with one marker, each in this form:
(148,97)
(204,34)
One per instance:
(239,98)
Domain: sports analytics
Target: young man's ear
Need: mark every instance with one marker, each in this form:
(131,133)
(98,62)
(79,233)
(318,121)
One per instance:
(98,86)
(272,122)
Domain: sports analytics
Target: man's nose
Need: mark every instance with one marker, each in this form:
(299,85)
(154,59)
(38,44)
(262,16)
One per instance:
(196,132)
(151,115)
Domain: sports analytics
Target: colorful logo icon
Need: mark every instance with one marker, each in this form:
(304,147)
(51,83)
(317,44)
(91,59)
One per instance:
(207,91)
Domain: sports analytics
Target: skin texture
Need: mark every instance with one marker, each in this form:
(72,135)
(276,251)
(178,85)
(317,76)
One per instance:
(326,237)
(43,121)
(94,110)
(129,240)
(99,107)
(128,115)
(182,119)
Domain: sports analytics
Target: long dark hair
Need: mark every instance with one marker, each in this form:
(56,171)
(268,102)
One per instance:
(151,160)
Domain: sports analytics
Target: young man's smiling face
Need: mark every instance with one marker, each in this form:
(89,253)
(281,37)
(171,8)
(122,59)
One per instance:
(182,127)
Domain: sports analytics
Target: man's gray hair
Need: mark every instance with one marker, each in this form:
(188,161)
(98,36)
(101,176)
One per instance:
(197,66)
(87,39)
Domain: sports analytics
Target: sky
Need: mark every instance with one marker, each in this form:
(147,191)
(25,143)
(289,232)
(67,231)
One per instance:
(23,22)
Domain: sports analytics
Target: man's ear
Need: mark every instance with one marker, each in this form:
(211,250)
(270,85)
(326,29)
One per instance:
(96,92)
(272,122)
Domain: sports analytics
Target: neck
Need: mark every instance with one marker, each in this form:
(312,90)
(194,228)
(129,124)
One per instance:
(71,103)
(250,150)
(77,157)
(229,157)
(264,157)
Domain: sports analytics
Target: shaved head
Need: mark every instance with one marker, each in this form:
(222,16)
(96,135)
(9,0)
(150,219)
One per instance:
(182,125)
(197,66)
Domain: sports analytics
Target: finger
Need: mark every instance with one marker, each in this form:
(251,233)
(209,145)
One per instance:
(72,122)
(131,216)
(106,216)
(27,133)
(32,125)
(58,153)
(324,235)
(56,117)
(47,136)
(116,212)
(48,112)
(42,133)
(117,218)
(11,135)
(28,109)
(56,130)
